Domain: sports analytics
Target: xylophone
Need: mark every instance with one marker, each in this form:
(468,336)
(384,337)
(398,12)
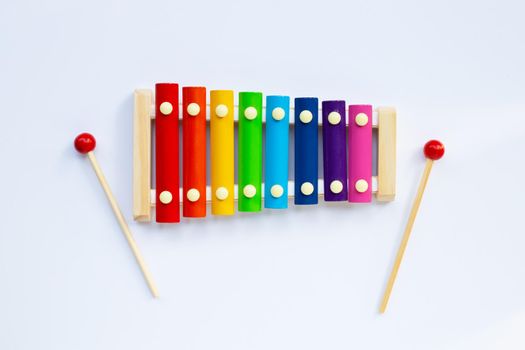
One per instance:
(344,178)
(347,152)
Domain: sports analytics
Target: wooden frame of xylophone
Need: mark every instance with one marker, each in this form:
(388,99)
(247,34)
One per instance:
(347,152)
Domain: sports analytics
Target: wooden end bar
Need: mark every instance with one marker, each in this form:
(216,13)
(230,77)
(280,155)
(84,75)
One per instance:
(386,154)
(142,155)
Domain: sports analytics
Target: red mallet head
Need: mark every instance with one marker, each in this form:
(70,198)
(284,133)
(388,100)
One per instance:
(434,150)
(85,143)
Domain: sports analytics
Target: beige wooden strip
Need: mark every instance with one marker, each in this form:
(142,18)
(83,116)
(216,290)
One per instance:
(142,155)
(386,154)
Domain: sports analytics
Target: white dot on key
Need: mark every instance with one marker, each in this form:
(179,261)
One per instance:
(336,186)
(277,191)
(307,188)
(250,113)
(249,191)
(221,111)
(221,193)
(166,108)
(193,195)
(165,197)
(361,119)
(306,116)
(278,113)
(334,118)
(193,109)
(361,185)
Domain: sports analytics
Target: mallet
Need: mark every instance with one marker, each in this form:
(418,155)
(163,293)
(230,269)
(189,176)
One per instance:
(433,150)
(85,143)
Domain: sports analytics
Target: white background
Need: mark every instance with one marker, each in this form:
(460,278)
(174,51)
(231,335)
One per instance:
(304,278)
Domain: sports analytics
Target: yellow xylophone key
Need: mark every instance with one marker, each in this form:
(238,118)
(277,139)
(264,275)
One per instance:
(222,152)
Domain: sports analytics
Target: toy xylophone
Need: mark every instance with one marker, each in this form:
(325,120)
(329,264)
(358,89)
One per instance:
(347,152)
(344,179)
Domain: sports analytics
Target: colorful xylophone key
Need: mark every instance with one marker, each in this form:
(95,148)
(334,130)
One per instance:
(306,162)
(334,151)
(250,151)
(194,151)
(276,153)
(360,153)
(222,152)
(167,152)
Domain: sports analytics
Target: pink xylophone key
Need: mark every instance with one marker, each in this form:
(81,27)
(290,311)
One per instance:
(360,153)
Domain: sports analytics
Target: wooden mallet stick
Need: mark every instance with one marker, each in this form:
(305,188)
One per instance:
(433,150)
(85,143)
